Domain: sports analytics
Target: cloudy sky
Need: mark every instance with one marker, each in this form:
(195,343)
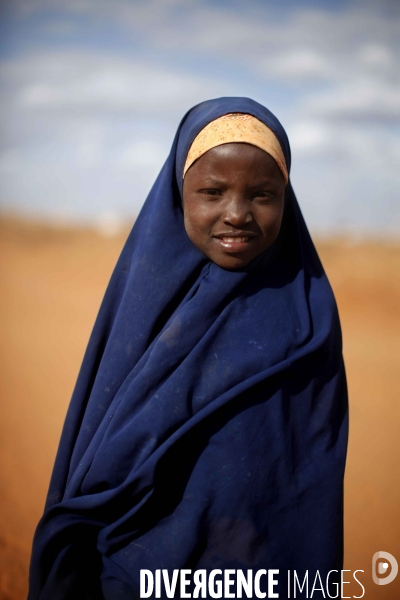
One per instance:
(91,93)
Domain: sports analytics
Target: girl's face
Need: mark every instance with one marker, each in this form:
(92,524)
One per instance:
(233,198)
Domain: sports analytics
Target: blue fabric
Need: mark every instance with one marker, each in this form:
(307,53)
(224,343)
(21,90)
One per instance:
(208,426)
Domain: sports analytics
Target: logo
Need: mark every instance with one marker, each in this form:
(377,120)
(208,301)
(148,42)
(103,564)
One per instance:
(386,560)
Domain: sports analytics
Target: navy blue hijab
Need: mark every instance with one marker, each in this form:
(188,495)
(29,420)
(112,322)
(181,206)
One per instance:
(208,426)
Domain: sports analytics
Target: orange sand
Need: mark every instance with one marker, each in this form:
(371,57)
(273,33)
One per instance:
(52,281)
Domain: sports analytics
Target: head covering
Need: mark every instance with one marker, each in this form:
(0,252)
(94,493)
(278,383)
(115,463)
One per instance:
(236,127)
(208,426)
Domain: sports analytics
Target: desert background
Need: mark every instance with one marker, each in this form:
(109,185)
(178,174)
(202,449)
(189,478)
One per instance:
(52,282)
(91,94)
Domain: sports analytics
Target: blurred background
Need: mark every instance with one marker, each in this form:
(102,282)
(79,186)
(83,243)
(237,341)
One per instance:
(91,93)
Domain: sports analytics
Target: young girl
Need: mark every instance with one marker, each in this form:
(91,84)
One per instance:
(208,427)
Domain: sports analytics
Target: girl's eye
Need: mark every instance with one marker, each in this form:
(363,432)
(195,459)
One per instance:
(212,192)
(263,195)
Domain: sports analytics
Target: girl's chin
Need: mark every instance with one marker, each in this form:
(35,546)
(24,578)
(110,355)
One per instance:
(230,262)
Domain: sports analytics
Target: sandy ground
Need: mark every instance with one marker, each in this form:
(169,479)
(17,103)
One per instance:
(52,281)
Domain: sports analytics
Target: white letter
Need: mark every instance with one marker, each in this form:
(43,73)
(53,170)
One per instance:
(216,591)
(143,574)
(341,589)
(199,577)
(327,584)
(241,582)
(184,583)
(158,583)
(271,583)
(354,575)
(305,581)
(170,588)
(228,583)
(257,578)
(320,589)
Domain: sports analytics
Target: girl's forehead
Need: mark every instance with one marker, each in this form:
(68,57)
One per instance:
(234,165)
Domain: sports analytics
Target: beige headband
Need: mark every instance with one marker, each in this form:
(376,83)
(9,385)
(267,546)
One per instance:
(236,127)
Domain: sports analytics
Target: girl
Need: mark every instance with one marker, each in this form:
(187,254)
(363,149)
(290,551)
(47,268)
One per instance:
(208,426)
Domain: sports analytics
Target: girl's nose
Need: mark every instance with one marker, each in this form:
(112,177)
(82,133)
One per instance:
(237,212)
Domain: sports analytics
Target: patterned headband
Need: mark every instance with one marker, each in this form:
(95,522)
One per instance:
(236,127)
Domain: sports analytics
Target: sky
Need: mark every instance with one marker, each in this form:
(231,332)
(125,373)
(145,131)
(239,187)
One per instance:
(92,91)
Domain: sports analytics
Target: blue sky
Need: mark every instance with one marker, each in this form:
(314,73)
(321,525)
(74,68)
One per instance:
(91,93)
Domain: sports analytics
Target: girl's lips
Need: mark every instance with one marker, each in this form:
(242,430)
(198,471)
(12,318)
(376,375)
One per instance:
(235,244)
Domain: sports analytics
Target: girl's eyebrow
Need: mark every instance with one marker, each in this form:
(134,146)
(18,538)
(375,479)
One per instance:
(213,181)
(263,183)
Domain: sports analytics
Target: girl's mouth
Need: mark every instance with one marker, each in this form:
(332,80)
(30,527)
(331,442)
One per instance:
(235,244)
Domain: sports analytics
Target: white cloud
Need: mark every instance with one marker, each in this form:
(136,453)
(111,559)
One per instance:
(101,121)
(362,98)
(142,153)
(9,161)
(86,80)
(39,95)
(299,64)
(307,138)
(376,55)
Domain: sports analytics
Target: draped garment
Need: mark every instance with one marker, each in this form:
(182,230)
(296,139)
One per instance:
(208,426)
